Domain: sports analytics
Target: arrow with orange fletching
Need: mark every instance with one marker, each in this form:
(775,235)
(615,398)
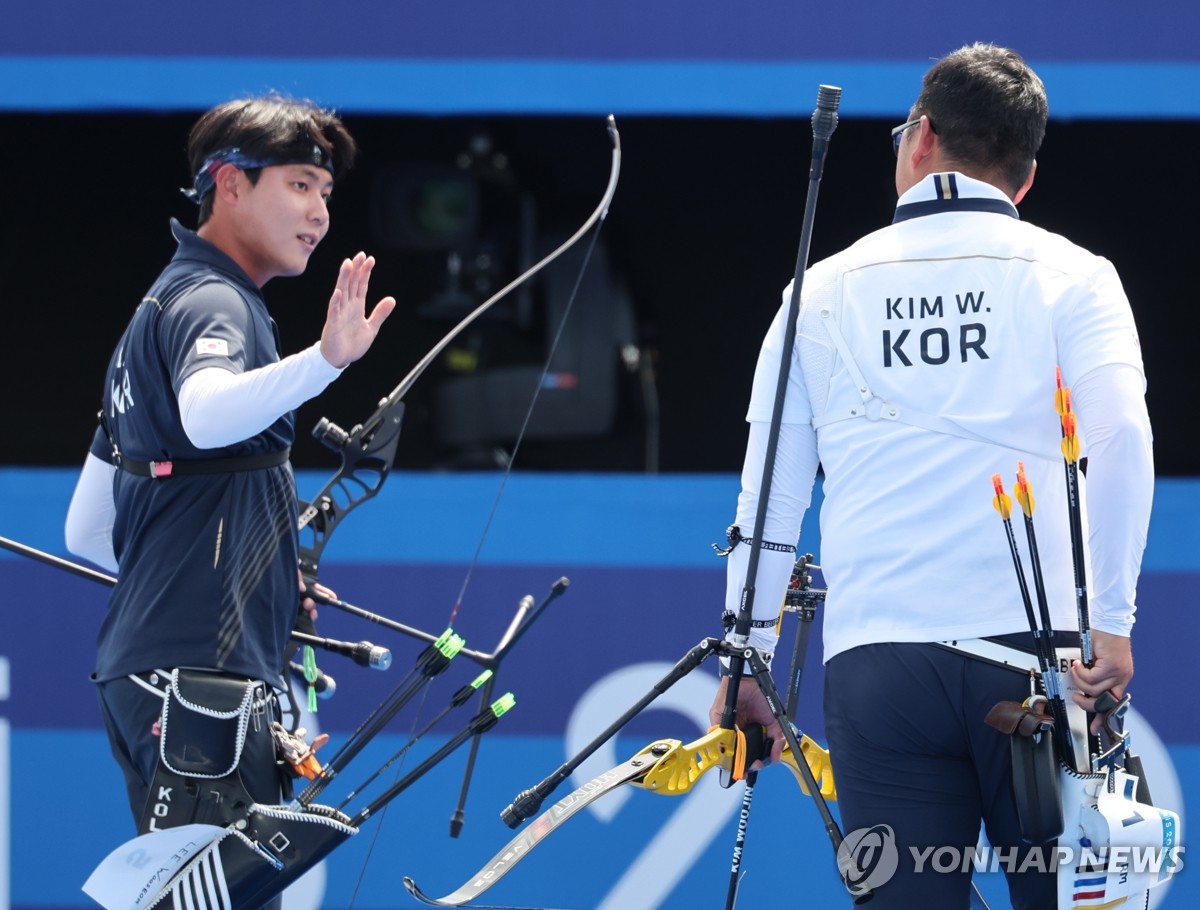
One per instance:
(1070,450)
(1024,494)
(1002,502)
(1042,633)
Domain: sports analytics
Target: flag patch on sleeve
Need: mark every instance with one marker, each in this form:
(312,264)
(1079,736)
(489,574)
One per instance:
(217,346)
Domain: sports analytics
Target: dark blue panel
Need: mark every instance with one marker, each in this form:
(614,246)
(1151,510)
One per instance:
(767,30)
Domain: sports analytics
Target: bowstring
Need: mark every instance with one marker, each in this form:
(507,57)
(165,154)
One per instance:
(488,524)
(362,872)
(600,217)
(508,467)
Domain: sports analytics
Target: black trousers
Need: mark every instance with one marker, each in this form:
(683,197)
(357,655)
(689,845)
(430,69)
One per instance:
(130,714)
(910,751)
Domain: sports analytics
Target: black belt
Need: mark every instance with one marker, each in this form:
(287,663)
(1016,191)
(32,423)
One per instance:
(173,468)
(1024,640)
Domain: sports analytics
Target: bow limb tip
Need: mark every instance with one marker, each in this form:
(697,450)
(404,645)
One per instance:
(414,889)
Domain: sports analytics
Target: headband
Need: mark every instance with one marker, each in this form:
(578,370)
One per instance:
(206,177)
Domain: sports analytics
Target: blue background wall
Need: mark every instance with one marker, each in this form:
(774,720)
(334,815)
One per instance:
(636,603)
(1101,58)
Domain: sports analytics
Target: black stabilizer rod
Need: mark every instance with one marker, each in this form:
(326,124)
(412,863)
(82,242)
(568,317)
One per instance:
(430,662)
(65,564)
(824,122)
(802,599)
(516,629)
(483,721)
(853,878)
(364,653)
(486,660)
(527,803)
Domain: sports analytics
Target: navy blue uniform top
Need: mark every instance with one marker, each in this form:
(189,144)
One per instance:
(207,562)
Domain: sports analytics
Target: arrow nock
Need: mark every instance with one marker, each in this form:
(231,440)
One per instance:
(1023,492)
(1062,404)
(1001,502)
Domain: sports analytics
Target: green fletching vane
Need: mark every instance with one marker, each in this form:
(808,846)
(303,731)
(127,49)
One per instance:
(449,643)
(504,703)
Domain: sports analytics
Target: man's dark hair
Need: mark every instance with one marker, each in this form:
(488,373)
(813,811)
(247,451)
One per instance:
(988,109)
(270,128)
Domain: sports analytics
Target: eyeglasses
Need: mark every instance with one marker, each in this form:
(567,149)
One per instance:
(898,135)
(898,132)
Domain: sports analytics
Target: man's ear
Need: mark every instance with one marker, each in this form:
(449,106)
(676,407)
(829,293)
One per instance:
(1020,194)
(925,148)
(927,139)
(228,183)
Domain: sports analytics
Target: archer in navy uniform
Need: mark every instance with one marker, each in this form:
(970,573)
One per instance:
(187,492)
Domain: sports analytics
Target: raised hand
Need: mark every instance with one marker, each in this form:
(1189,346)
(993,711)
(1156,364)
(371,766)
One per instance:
(349,331)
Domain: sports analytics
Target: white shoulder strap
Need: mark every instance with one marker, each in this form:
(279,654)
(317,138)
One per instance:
(873,407)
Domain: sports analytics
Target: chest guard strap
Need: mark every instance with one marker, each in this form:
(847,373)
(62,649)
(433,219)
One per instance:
(174,468)
(873,407)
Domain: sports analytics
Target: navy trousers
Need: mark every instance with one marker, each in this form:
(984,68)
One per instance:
(910,751)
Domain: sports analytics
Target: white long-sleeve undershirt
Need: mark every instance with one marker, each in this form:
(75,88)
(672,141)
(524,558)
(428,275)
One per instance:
(1119,489)
(91,514)
(218,408)
(790,495)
